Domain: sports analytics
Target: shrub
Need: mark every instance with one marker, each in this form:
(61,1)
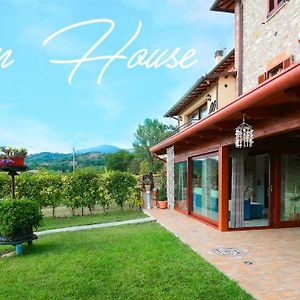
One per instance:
(135,198)
(4,185)
(29,186)
(18,217)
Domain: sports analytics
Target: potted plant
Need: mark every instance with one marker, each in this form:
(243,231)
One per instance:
(162,194)
(147,184)
(294,215)
(12,156)
(18,217)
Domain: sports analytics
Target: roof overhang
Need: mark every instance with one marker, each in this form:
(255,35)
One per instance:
(272,92)
(223,6)
(203,84)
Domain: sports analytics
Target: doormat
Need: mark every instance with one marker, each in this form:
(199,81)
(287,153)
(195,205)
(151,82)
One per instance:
(228,251)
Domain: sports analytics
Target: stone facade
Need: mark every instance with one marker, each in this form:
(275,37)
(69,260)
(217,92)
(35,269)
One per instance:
(268,41)
(170,177)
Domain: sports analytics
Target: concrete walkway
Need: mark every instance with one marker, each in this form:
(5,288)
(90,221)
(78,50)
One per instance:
(94,226)
(269,267)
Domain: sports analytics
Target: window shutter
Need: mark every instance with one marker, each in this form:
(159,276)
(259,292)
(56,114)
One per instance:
(287,62)
(261,78)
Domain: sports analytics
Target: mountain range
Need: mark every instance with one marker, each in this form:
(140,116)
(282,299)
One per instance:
(93,156)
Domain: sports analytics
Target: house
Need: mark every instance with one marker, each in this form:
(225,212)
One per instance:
(234,162)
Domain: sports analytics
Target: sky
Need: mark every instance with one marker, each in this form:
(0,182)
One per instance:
(41,111)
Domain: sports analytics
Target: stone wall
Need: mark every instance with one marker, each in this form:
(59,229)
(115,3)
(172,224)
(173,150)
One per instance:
(268,41)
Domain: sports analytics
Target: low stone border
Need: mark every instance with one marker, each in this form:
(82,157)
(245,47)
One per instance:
(94,226)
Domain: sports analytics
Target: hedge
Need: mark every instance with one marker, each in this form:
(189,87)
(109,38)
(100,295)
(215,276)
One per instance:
(83,189)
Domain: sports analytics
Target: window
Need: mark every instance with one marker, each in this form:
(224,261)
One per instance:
(198,114)
(203,111)
(276,70)
(194,115)
(274,5)
(290,187)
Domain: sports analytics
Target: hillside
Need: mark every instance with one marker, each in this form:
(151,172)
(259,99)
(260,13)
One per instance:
(63,162)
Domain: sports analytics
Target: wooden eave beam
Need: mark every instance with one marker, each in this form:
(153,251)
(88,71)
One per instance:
(222,74)
(293,94)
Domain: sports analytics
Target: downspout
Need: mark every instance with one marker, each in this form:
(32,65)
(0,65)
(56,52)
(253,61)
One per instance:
(177,119)
(240,46)
(156,156)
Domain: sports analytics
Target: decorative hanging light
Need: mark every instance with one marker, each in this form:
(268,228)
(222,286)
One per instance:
(244,135)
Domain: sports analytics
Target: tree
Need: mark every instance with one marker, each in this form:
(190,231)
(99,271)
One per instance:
(103,197)
(119,161)
(147,135)
(79,190)
(120,186)
(51,190)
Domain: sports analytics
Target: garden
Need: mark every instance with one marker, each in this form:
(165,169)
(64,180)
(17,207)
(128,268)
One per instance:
(141,261)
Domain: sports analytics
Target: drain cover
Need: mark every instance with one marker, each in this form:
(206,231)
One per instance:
(225,251)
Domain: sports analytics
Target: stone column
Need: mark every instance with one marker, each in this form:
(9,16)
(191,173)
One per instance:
(170,177)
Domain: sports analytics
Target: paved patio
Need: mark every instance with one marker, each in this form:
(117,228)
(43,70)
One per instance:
(274,254)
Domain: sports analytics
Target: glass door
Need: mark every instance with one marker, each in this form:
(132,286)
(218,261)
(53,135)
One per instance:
(290,187)
(205,193)
(249,201)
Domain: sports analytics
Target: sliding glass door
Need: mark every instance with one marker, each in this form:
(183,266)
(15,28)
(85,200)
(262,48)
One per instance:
(249,200)
(205,187)
(290,187)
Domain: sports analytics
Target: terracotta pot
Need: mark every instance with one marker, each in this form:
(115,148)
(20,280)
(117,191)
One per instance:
(155,203)
(163,204)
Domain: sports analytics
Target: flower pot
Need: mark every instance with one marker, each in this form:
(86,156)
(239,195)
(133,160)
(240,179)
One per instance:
(163,204)
(148,187)
(17,161)
(155,203)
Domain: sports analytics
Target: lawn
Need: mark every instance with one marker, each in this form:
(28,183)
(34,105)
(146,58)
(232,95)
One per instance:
(128,262)
(98,218)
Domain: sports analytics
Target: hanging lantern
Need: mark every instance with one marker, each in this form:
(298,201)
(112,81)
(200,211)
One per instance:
(244,135)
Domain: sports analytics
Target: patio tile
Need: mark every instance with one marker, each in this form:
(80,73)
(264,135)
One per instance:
(274,253)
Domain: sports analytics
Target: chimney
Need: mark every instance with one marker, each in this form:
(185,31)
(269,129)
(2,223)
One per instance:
(219,55)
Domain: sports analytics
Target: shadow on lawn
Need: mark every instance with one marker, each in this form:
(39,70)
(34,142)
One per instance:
(43,248)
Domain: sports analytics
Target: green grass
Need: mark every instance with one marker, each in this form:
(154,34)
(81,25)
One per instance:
(128,262)
(111,216)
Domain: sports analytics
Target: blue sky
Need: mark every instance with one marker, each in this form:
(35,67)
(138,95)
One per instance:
(41,111)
